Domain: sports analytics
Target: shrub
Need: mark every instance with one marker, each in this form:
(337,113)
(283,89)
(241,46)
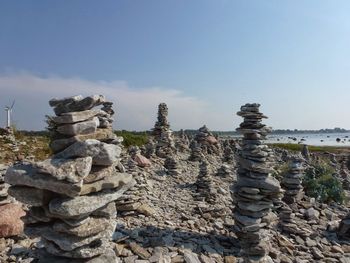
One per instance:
(319,182)
(133,138)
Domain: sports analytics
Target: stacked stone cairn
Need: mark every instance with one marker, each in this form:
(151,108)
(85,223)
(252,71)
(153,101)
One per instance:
(171,164)
(255,191)
(205,187)
(182,142)
(224,171)
(228,154)
(292,181)
(150,149)
(162,133)
(196,151)
(3,186)
(74,191)
(207,141)
(305,152)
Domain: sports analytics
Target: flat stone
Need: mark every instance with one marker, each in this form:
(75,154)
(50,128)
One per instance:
(84,205)
(76,103)
(107,211)
(71,170)
(26,175)
(67,100)
(97,248)
(73,117)
(85,127)
(92,226)
(99,172)
(190,257)
(140,251)
(269,184)
(102,153)
(109,182)
(68,242)
(100,134)
(30,196)
(10,222)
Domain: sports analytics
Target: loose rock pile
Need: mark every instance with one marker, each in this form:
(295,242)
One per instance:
(224,171)
(162,132)
(256,190)
(292,182)
(74,191)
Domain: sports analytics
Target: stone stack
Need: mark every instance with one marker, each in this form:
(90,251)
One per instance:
(3,186)
(74,191)
(150,148)
(228,154)
(288,221)
(207,141)
(196,151)
(292,182)
(182,142)
(171,164)
(162,133)
(255,190)
(224,171)
(305,152)
(204,183)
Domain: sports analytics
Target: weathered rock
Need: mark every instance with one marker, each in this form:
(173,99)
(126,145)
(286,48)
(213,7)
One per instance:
(101,153)
(73,117)
(84,205)
(76,103)
(30,196)
(84,127)
(10,222)
(71,170)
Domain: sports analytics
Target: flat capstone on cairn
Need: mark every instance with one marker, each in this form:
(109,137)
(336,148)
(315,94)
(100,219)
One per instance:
(73,192)
(163,135)
(292,181)
(256,190)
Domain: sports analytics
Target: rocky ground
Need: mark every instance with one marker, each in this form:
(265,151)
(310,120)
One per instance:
(170,223)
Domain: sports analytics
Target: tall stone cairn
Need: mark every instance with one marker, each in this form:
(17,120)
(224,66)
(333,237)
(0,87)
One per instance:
(292,182)
(74,191)
(255,190)
(162,132)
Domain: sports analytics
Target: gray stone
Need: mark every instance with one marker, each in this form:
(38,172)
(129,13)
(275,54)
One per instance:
(76,103)
(68,242)
(30,196)
(85,127)
(73,117)
(26,175)
(71,170)
(102,153)
(84,205)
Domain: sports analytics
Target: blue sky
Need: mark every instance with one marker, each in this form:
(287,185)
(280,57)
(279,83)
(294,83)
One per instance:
(204,58)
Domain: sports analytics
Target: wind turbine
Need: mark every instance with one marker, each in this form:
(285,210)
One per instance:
(9,111)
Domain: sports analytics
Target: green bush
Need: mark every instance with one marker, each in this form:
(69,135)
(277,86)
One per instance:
(133,138)
(320,183)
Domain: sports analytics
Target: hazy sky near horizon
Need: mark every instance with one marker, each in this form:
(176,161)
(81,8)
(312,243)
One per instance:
(205,58)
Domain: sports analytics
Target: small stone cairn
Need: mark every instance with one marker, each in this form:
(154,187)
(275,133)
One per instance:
(292,181)
(256,190)
(74,191)
(305,152)
(162,133)
(224,171)
(182,142)
(171,164)
(204,183)
(207,141)
(196,151)
(3,186)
